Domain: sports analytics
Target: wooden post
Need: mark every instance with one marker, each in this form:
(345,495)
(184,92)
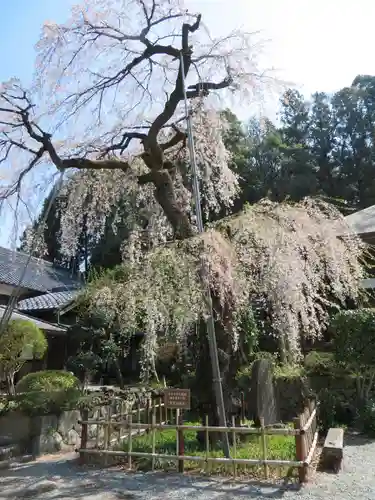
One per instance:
(242,407)
(153,410)
(160,411)
(109,426)
(180,444)
(84,436)
(148,414)
(130,441)
(153,439)
(107,438)
(139,416)
(300,450)
(120,420)
(234,437)
(97,436)
(264,446)
(207,434)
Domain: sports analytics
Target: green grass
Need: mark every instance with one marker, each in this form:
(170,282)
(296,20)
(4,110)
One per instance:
(278,448)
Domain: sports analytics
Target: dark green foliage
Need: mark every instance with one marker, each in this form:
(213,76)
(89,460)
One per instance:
(354,338)
(47,381)
(41,402)
(320,363)
(324,147)
(366,418)
(97,343)
(336,409)
(334,384)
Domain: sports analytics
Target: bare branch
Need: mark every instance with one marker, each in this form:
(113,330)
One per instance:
(110,84)
(178,92)
(86,164)
(176,139)
(204,88)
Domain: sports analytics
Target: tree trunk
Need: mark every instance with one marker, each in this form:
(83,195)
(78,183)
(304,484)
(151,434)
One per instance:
(120,378)
(204,390)
(165,196)
(10,384)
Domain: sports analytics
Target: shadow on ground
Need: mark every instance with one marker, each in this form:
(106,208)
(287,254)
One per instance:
(74,482)
(354,438)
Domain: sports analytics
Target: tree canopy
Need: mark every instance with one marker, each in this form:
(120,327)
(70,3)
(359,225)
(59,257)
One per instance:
(294,262)
(108,104)
(324,146)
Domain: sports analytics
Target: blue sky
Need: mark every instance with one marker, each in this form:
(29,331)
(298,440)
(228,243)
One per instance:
(21,24)
(316,45)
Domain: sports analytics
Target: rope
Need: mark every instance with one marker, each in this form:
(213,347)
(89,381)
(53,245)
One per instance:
(16,292)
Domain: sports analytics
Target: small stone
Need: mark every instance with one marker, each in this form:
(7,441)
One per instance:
(123,495)
(73,438)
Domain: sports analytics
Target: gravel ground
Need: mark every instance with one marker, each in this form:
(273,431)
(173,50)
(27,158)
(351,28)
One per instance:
(60,478)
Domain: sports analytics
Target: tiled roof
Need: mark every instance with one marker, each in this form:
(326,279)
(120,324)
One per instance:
(43,325)
(47,301)
(41,276)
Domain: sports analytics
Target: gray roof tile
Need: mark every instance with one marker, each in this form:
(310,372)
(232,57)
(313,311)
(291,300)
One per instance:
(43,325)
(41,276)
(47,301)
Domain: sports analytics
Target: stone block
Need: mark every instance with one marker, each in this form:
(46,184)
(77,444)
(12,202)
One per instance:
(333,450)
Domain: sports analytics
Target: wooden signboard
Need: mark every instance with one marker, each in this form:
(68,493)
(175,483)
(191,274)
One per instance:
(177,399)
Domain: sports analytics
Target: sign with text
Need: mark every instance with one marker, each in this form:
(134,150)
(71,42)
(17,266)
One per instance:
(177,399)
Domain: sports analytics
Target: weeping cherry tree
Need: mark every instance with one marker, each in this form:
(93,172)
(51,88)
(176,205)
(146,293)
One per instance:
(106,107)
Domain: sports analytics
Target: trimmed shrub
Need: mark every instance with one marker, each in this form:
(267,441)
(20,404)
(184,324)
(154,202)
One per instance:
(41,402)
(47,381)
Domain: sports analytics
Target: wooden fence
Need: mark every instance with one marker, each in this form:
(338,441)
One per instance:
(122,428)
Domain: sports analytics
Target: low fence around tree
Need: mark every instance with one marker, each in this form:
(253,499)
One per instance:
(118,430)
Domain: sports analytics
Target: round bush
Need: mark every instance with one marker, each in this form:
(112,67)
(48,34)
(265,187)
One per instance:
(47,381)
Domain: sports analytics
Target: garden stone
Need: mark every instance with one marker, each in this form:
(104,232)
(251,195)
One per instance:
(51,443)
(73,438)
(69,420)
(92,430)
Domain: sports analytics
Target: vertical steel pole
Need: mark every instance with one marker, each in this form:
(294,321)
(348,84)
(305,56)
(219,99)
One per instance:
(211,334)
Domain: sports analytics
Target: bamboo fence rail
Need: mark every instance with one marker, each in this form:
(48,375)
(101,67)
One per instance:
(158,418)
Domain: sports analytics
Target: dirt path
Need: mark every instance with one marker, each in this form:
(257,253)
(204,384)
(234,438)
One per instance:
(60,478)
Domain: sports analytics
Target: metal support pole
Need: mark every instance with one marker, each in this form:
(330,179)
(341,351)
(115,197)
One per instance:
(216,376)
